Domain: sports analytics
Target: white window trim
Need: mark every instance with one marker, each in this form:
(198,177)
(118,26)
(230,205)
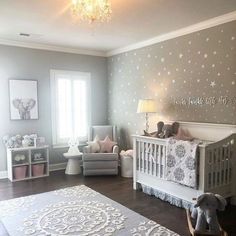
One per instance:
(53,74)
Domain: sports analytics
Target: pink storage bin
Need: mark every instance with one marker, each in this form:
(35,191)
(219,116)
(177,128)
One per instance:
(19,172)
(38,169)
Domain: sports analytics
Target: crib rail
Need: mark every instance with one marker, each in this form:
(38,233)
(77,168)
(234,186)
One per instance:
(219,163)
(150,156)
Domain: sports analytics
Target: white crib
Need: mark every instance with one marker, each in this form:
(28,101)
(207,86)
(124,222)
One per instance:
(217,164)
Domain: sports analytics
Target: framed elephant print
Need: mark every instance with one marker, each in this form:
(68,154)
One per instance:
(23,96)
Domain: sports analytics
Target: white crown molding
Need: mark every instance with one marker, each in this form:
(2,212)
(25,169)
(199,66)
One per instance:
(47,47)
(177,33)
(171,35)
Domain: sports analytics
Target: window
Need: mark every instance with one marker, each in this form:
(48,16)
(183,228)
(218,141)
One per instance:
(70,95)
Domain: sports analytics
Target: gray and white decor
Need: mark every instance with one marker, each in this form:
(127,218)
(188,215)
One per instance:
(23,96)
(71,211)
(192,78)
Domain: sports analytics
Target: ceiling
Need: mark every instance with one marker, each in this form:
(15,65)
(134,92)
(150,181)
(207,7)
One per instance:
(51,22)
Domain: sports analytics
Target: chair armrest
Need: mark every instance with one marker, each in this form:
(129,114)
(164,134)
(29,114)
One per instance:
(115,149)
(87,149)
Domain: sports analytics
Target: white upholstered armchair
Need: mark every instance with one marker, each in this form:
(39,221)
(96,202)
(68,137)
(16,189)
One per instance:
(99,162)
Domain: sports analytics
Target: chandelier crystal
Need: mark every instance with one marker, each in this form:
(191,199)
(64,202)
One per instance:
(92,10)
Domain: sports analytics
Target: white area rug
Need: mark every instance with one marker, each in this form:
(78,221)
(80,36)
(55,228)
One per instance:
(71,211)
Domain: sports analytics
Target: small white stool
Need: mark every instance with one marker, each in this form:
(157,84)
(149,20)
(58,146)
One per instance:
(73,164)
(126,166)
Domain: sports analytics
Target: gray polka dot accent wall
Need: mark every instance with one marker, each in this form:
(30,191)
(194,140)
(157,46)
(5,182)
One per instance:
(191,78)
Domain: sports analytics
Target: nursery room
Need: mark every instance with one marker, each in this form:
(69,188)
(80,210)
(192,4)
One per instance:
(118,117)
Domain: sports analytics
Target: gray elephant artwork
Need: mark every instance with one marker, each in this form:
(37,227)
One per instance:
(23,99)
(24,107)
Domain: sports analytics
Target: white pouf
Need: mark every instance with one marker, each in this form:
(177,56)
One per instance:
(73,164)
(126,166)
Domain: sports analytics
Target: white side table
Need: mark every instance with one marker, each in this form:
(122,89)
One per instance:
(73,164)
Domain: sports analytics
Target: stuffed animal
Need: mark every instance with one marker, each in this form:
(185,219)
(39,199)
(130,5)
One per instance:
(73,146)
(28,140)
(12,142)
(204,212)
(167,130)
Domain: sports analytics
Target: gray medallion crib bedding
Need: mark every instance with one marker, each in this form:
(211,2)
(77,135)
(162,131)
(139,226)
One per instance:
(180,171)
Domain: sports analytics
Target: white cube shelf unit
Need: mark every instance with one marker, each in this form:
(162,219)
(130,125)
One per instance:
(27,163)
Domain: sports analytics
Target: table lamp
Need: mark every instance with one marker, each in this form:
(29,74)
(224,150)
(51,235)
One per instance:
(146,106)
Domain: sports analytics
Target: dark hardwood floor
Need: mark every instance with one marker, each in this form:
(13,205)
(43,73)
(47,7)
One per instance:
(120,190)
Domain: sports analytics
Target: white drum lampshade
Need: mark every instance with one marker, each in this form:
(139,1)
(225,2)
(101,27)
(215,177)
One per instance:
(147,106)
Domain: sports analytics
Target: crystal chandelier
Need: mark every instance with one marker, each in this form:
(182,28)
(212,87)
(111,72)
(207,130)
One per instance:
(92,10)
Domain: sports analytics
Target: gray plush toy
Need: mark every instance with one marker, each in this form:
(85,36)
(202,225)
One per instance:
(204,212)
(167,130)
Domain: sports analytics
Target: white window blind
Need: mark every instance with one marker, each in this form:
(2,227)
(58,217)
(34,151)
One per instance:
(70,105)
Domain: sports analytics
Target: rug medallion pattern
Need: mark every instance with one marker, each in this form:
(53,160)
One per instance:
(73,211)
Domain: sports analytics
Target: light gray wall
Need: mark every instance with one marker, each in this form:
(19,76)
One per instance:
(200,65)
(23,63)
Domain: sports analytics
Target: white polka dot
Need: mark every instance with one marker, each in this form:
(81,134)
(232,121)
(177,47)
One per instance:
(180,55)
(232,38)
(162,59)
(205,55)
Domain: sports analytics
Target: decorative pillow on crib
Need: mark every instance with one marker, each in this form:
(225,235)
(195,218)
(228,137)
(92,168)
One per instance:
(94,145)
(183,135)
(106,145)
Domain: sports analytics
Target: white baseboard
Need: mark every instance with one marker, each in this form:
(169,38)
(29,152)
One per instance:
(59,166)
(52,167)
(3,174)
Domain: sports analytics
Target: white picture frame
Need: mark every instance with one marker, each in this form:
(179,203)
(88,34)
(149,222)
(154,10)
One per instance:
(23,99)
